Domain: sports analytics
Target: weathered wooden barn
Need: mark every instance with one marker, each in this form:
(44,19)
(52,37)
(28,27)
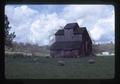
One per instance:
(72,41)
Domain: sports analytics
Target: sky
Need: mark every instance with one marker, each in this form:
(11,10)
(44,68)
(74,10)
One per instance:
(37,23)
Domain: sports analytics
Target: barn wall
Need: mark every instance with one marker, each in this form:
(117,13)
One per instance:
(68,34)
(71,53)
(66,53)
(75,53)
(60,38)
(77,38)
(87,45)
(55,53)
(62,53)
(58,53)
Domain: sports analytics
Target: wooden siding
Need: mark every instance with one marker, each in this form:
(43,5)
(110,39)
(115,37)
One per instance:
(77,37)
(60,38)
(68,36)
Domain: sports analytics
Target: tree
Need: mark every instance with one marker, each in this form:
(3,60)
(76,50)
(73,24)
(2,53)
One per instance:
(8,36)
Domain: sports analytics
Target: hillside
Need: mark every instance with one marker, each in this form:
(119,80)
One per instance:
(109,47)
(28,48)
(34,48)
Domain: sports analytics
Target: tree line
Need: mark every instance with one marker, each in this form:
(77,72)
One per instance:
(8,36)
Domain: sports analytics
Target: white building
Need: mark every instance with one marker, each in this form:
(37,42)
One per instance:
(105,53)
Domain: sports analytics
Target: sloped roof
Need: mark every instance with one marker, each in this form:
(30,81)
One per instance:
(66,45)
(60,32)
(80,30)
(71,25)
(74,26)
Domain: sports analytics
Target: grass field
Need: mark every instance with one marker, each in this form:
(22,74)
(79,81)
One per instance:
(47,68)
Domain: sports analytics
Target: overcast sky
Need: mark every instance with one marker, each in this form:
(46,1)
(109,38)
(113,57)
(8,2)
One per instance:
(37,23)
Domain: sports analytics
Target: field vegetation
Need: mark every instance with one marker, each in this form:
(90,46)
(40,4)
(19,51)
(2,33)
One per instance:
(36,67)
(31,61)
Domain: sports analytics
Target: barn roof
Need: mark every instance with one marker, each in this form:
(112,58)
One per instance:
(80,30)
(66,45)
(71,25)
(60,32)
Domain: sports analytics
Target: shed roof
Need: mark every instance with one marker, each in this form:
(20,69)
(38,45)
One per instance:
(66,45)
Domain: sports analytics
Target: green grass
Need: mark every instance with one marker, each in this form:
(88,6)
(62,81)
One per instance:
(47,68)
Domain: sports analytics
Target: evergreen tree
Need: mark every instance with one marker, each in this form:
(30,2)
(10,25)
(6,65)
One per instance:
(8,36)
